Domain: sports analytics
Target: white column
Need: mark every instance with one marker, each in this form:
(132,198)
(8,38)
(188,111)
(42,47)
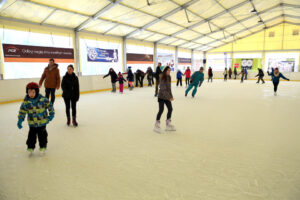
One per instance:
(124,51)
(193,60)
(176,58)
(155,58)
(77,54)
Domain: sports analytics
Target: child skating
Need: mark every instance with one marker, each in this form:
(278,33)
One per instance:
(165,97)
(196,78)
(130,78)
(36,107)
(276,75)
(121,82)
(179,78)
(210,74)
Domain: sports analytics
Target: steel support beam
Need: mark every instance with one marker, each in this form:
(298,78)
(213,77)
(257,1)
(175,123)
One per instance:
(54,10)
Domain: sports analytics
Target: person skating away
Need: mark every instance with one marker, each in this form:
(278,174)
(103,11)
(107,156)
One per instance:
(243,75)
(230,73)
(246,73)
(179,77)
(52,80)
(130,78)
(113,75)
(225,73)
(165,97)
(157,78)
(70,88)
(36,107)
(121,82)
(235,73)
(210,74)
(276,75)
(149,73)
(187,74)
(196,78)
(260,76)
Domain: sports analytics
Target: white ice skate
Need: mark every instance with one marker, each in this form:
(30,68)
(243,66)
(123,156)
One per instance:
(275,93)
(169,126)
(30,152)
(157,128)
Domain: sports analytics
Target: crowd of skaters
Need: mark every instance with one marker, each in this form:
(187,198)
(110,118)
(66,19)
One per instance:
(40,110)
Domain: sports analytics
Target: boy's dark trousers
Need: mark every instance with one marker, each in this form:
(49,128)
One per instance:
(39,132)
(179,80)
(209,78)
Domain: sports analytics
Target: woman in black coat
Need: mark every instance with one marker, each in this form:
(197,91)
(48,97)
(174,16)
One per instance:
(70,87)
(113,75)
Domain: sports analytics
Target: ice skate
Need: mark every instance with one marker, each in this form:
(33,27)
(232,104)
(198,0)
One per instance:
(169,126)
(74,122)
(42,151)
(157,128)
(275,93)
(30,151)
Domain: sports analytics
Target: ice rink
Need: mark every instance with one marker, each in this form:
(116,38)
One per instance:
(233,142)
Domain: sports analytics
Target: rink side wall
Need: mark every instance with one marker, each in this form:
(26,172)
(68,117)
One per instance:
(14,90)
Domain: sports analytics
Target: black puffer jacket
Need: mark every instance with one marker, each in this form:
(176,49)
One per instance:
(113,75)
(70,86)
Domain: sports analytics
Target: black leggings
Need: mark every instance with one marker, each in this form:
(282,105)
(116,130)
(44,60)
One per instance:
(225,77)
(161,103)
(41,133)
(52,91)
(187,81)
(275,86)
(69,102)
(179,81)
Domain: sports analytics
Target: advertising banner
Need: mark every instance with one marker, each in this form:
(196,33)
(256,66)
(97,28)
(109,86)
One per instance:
(133,58)
(283,64)
(25,53)
(102,55)
(251,64)
(184,61)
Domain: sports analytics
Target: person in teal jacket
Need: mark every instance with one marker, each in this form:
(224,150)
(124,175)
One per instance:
(276,75)
(196,78)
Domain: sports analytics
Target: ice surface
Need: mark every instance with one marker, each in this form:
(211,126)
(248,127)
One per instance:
(233,142)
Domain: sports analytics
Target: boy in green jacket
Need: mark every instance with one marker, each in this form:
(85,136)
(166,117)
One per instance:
(36,107)
(197,77)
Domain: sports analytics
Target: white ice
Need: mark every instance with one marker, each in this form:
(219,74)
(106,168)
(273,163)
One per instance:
(233,142)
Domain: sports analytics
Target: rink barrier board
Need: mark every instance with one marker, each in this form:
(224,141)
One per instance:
(125,87)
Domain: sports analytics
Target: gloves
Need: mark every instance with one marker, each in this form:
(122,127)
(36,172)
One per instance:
(50,117)
(20,124)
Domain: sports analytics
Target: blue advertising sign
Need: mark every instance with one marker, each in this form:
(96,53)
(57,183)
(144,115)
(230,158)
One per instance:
(102,55)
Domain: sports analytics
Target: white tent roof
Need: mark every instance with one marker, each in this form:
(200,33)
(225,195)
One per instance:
(192,24)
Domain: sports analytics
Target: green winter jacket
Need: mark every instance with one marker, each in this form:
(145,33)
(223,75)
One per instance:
(197,77)
(36,110)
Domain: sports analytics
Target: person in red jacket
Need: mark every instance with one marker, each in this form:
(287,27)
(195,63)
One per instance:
(187,74)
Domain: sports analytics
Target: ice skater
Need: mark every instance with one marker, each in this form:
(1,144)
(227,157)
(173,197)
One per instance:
(113,75)
(179,77)
(187,74)
(121,82)
(246,73)
(260,76)
(210,74)
(139,78)
(165,97)
(230,73)
(70,87)
(197,77)
(235,72)
(243,75)
(157,78)
(36,107)
(149,73)
(225,73)
(276,75)
(130,78)
(52,80)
